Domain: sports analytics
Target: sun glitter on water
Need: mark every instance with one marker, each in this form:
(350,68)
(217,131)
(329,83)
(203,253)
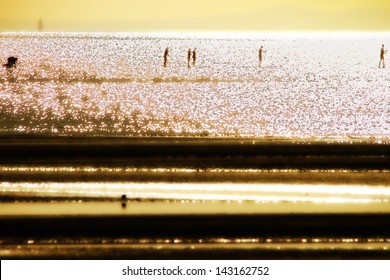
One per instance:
(310,85)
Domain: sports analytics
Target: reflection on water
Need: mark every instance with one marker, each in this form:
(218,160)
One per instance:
(205,191)
(114,84)
(319,241)
(186,190)
(90,169)
(79,207)
(309,87)
(290,248)
(157,198)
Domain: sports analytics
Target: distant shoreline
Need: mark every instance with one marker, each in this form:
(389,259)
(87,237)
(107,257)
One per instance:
(209,34)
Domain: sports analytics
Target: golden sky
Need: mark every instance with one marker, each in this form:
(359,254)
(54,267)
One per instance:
(196,15)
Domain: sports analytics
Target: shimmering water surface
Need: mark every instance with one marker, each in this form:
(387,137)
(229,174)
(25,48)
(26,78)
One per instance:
(310,85)
(198,192)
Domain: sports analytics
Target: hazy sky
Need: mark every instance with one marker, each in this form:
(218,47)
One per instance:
(196,15)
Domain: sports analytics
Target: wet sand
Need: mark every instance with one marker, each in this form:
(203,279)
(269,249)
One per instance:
(196,152)
(276,251)
(182,236)
(80,225)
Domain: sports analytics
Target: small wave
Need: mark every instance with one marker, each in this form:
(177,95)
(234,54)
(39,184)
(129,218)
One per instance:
(101,80)
(182,80)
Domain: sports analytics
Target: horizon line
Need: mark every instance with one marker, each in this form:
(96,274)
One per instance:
(208,34)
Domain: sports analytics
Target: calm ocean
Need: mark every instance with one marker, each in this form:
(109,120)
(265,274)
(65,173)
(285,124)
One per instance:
(310,85)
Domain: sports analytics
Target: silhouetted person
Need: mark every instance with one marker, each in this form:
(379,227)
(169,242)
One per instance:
(194,57)
(166,53)
(189,57)
(11,62)
(382,56)
(261,51)
(123,201)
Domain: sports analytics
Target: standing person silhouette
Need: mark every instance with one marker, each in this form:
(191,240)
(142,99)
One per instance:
(189,57)
(166,54)
(194,57)
(261,50)
(382,56)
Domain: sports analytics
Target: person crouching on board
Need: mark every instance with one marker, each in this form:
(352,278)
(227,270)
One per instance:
(11,62)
